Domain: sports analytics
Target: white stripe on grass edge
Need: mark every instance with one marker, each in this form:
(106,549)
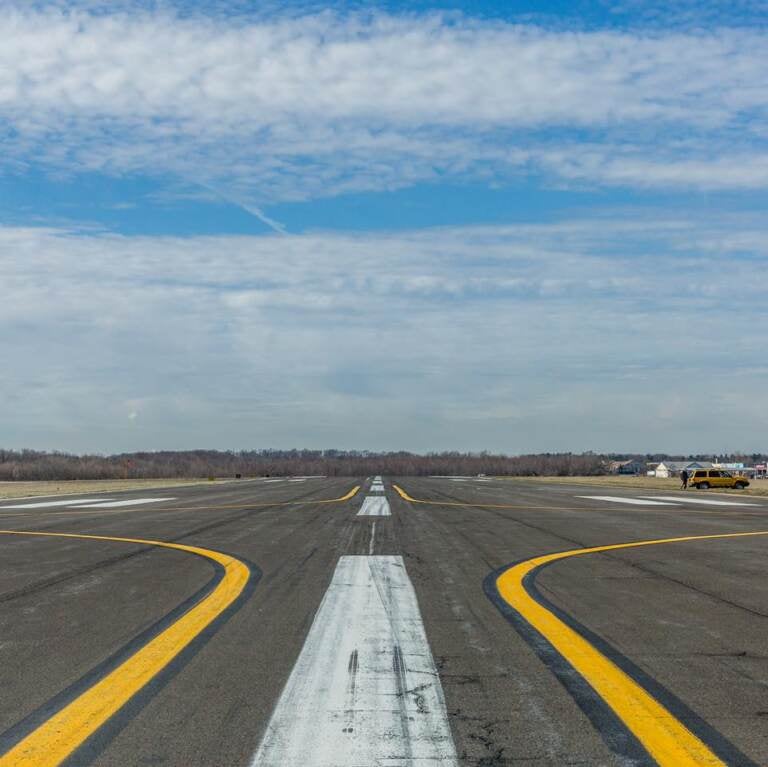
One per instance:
(364,690)
(374,506)
(623,499)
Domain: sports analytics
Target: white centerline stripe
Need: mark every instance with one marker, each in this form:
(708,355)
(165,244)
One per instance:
(50,504)
(373,538)
(131,502)
(364,691)
(622,499)
(705,501)
(374,506)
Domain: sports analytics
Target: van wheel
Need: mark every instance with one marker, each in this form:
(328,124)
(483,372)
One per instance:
(739,485)
(702,486)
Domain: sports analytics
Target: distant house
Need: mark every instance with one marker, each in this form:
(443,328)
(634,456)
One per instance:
(673,468)
(625,467)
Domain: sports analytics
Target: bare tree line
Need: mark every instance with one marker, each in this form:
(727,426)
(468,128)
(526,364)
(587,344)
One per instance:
(40,465)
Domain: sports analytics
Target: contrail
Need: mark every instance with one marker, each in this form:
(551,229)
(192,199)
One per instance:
(247,207)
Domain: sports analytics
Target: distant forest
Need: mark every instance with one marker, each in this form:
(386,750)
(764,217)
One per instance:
(36,465)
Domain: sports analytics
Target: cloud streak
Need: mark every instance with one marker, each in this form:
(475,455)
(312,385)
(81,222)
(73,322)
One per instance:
(512,338)
(307,106)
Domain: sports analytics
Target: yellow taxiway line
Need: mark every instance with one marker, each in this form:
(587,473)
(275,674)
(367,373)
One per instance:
(232,506)
(668,741)
(529,507)
(60,735)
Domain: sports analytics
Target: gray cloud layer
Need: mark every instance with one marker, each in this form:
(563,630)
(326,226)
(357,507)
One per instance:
(509,338)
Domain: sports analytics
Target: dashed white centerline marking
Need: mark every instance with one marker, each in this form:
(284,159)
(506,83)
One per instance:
(622,499)
(374,506)
(373,538)
(364,690)
(51,504)
(705,501)
(118,504)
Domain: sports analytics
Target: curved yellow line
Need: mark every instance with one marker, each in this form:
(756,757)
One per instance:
(668,741)
(54,740)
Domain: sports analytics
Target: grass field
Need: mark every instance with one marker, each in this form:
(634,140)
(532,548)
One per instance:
(758,487)
(70,487)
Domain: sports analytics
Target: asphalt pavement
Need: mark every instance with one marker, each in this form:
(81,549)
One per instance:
(271,623)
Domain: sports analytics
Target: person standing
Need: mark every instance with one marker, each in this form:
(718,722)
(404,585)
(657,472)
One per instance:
(684,479)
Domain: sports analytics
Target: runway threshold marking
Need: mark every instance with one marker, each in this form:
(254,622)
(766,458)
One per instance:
(68,728)
(670,742)
(364,689)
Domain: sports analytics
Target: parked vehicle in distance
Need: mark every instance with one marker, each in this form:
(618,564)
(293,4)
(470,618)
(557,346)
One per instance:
(703,479)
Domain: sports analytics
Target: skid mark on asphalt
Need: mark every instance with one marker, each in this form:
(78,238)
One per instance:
(364,690)
(77,719)
(637,718)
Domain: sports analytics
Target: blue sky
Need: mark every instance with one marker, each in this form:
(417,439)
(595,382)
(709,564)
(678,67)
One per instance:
(458,225)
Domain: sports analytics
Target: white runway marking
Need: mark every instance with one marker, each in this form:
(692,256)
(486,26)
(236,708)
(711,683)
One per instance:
(51,504)
(118,504)
(364,691)
(373,539)
(705,501)
(374,506)
(622,499)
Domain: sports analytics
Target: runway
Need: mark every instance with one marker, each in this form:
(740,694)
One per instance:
(386,621)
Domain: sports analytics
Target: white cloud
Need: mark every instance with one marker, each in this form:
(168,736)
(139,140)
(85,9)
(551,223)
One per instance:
(298,107)
(512,338)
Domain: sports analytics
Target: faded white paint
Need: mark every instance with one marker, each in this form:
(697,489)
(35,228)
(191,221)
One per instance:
(694,499)
(118,504)
(622,499)
(51,504)
(364,691)
(374,506)
(372,544)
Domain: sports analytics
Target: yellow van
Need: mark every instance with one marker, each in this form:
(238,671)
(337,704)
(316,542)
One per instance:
(703,479)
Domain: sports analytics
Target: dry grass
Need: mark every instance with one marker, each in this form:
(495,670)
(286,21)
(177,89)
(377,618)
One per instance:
(77,487)
(758,487)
